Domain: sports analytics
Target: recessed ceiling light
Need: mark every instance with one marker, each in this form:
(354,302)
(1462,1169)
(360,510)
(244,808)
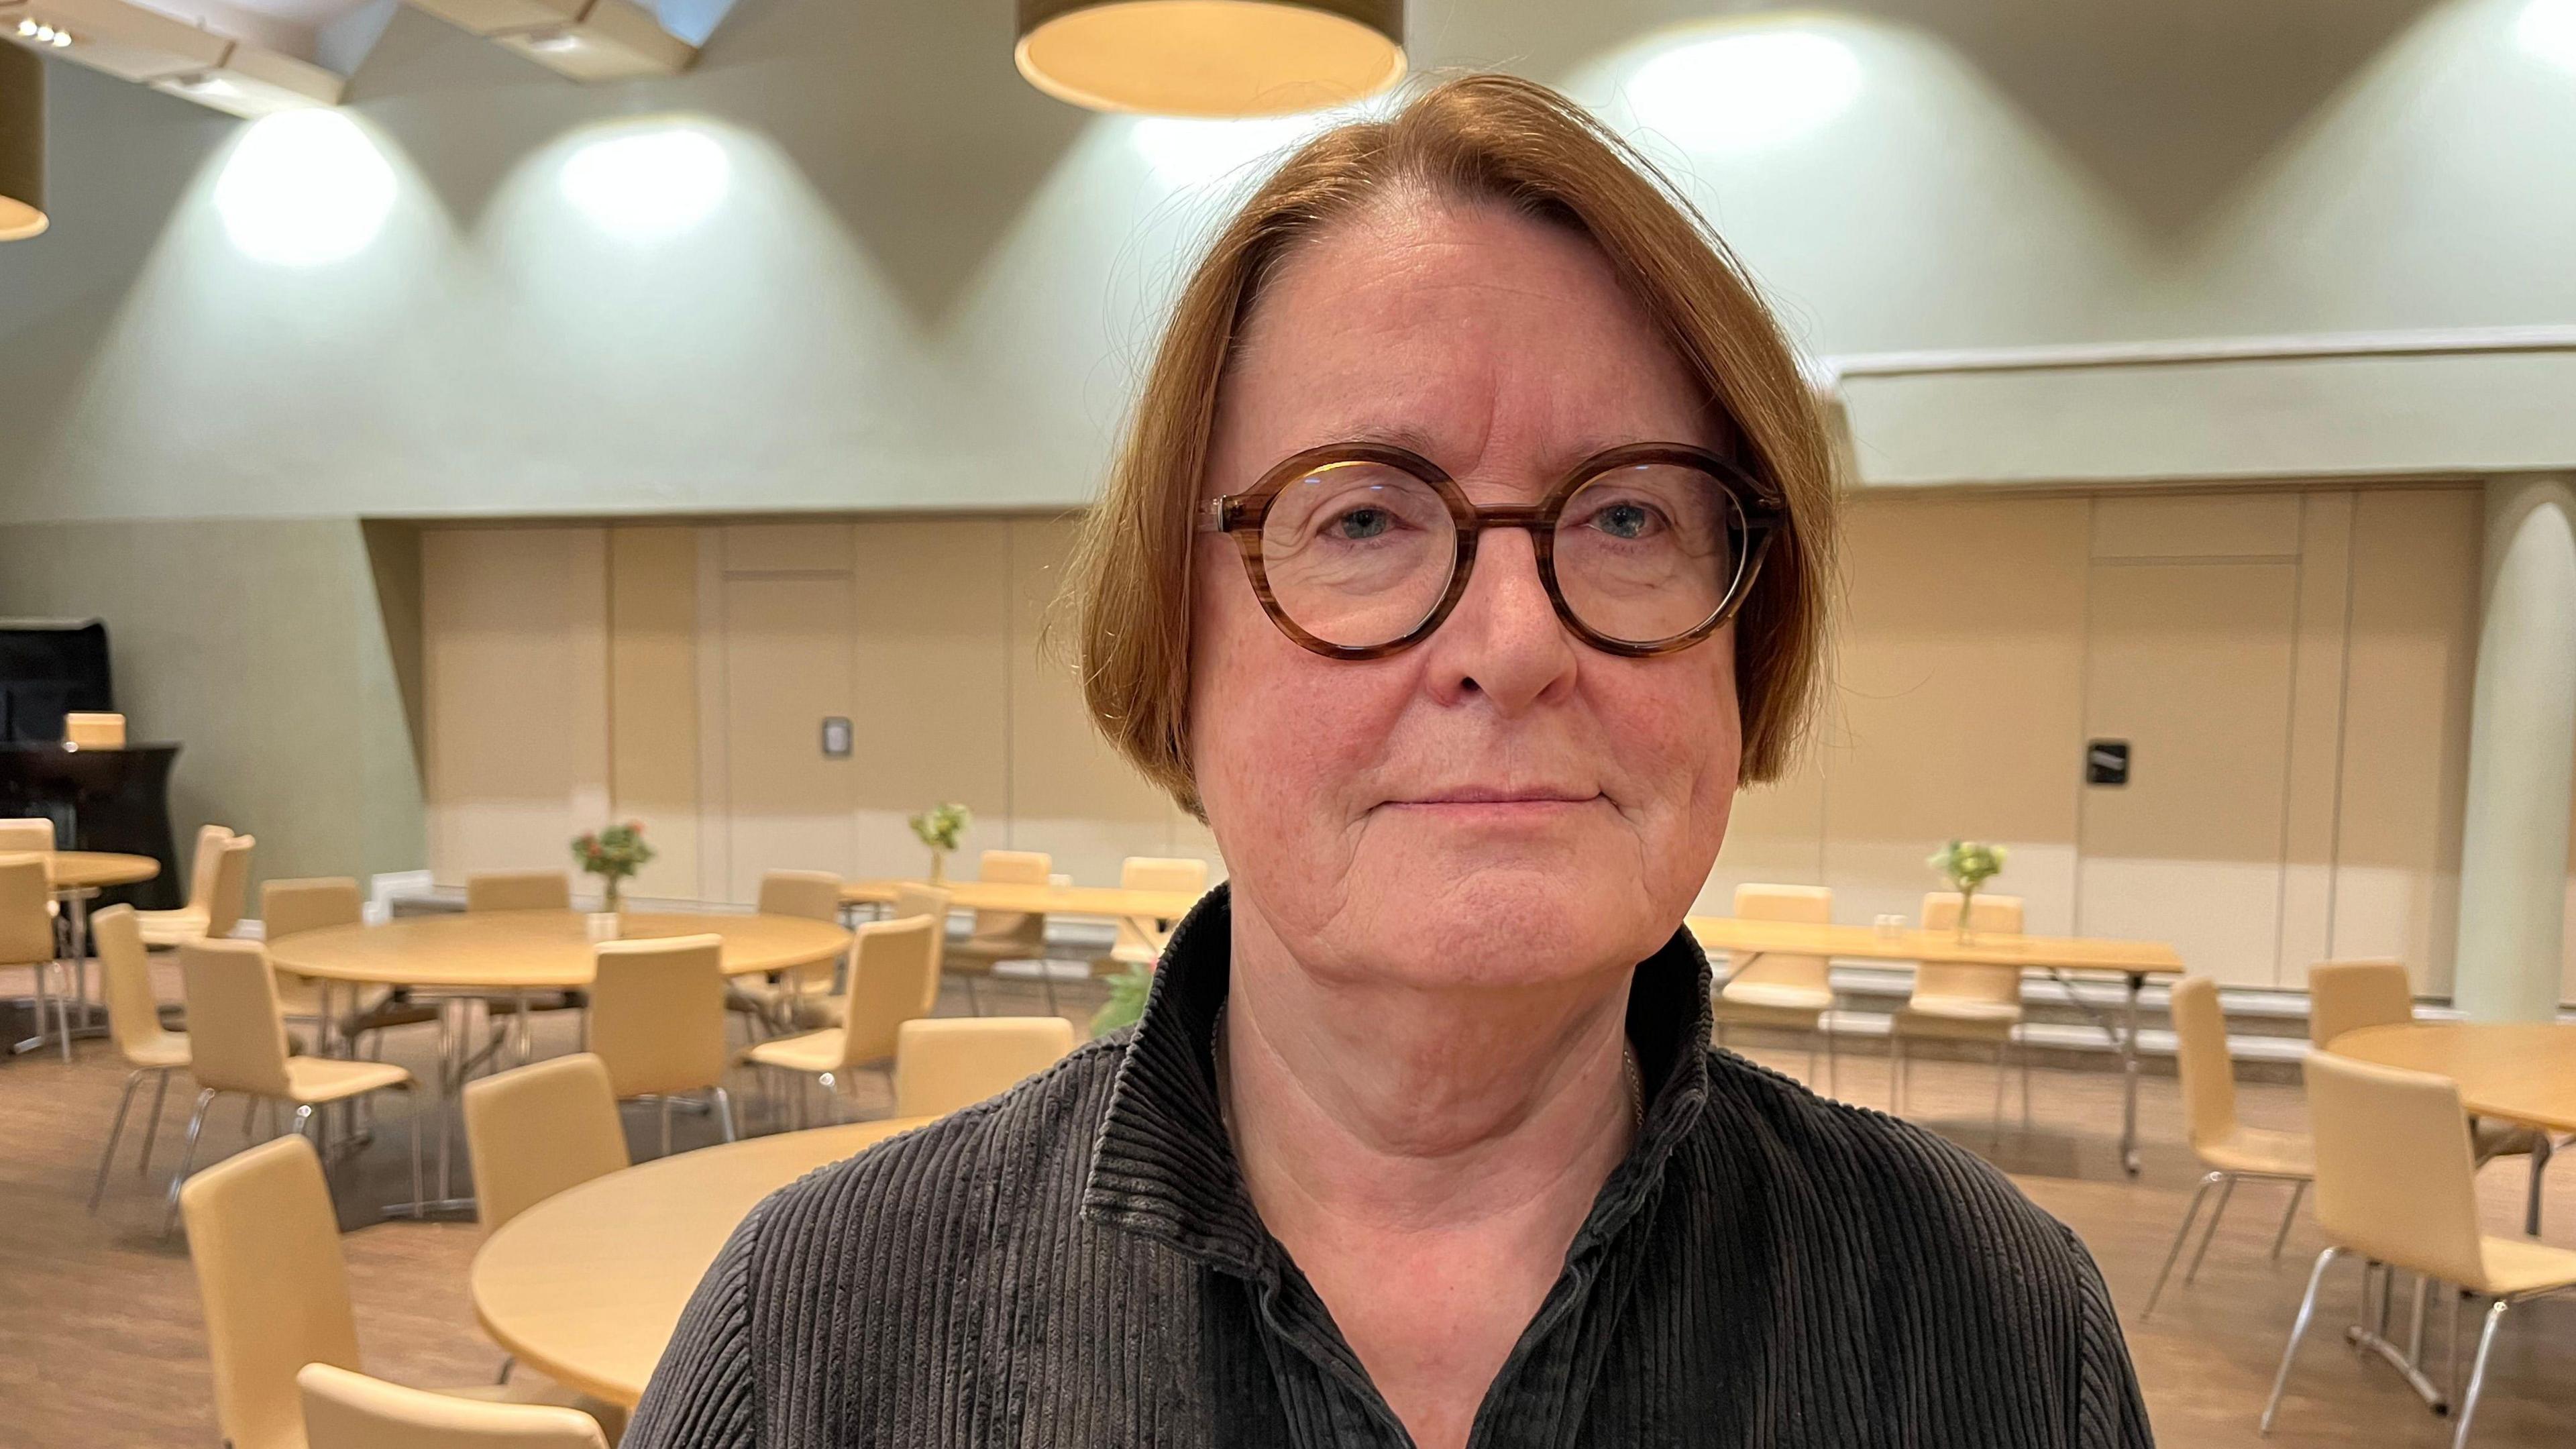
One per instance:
(554,42)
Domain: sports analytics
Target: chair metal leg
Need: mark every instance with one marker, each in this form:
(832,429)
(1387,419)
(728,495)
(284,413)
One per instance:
(115,1133)
(420,1111)
(1046,977)
(2226,1190)
(724,1112)
(2298,1190)
(187,1159)
(2182,1235)
(152,1124)
(2298,1331)
(973,1006)
(2002,1069)
(2540,1155)
(2021,1049)
(666,1126)
(2478,1372)
(1833,1056)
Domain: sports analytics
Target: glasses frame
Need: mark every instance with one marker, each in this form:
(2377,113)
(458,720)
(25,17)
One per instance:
(1244,514)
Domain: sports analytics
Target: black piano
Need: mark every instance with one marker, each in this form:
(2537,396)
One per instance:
(99,799)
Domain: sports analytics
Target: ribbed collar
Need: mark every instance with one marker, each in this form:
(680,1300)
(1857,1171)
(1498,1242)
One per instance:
(1164,1167)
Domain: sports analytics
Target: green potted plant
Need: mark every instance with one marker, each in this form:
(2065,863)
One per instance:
(1966,865)
(940,827)
(614,855)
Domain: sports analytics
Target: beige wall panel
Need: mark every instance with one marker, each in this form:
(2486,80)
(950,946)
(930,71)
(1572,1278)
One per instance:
(2204,525)
(2191,664)
(787,666)
(1071,796)
(653,699)
(931,636)
(774,548)
(1958,700)
(515,670)
(2405,756)
(2316,731)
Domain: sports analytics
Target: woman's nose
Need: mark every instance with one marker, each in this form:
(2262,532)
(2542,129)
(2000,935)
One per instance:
(1503,641)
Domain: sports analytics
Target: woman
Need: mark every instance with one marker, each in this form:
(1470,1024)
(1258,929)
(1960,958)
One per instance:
(1469,550)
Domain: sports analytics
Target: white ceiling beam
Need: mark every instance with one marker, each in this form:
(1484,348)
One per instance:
(585,40)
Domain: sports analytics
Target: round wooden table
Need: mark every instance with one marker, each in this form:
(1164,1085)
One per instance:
(501,951)
(2513,1071)
(469,955)
(74,870)
(587,1285)
(75,876)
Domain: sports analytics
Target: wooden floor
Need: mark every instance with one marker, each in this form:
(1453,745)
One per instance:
(101,1344)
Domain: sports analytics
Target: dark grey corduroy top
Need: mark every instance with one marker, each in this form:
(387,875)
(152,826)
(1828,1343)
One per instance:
(1076,1263)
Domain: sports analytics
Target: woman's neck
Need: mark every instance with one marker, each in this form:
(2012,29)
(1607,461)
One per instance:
(1369,1106)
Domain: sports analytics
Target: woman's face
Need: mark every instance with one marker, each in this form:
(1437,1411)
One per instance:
(1500,804)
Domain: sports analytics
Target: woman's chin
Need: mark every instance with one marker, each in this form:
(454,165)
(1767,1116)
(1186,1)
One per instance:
(1500,923)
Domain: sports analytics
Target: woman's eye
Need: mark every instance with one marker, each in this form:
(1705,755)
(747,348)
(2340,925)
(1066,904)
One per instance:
(1359,523)
(1625,520)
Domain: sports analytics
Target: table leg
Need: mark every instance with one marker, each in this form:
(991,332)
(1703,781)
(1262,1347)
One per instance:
(453,1021)
(2129,1078)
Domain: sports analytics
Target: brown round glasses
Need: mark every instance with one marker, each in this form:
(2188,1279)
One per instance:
(1360,550)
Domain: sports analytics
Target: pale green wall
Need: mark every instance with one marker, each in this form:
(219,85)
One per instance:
(258,646)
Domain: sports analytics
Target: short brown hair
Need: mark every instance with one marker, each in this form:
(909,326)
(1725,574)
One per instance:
(1513,143)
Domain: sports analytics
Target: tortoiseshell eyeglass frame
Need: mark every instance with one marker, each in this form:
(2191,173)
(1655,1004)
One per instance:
(1759,514)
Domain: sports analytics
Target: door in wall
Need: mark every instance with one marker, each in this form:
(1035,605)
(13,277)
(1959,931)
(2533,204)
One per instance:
(786,670)
(2191,647)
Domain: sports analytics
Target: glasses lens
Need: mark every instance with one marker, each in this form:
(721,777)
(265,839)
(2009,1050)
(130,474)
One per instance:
(1649,552)
(1358,554)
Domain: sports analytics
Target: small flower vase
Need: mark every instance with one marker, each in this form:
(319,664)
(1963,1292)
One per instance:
(601,926)
(938,867)
(1967,911)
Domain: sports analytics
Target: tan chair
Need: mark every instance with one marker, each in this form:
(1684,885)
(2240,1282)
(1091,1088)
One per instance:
(773,1005)
(2397,1185)
(344,1410)
(266,1245)
(1147,873)
(134,1024)
(535,1131)
(518,890)
(26,835)
(238,1044)
(2349,995)
(911,901)
(2226,1146)
(1964,1003)
(88,731)
(293,907)
(894,965)
(1003,935)
(27,936)
(657,1021)
(524,890)
(215,893)
(944,1064)
(1776,989)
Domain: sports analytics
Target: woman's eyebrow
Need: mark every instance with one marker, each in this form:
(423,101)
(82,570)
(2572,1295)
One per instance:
(1555,464)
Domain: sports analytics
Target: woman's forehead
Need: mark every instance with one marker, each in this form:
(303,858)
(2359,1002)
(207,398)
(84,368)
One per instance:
(1471,335)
